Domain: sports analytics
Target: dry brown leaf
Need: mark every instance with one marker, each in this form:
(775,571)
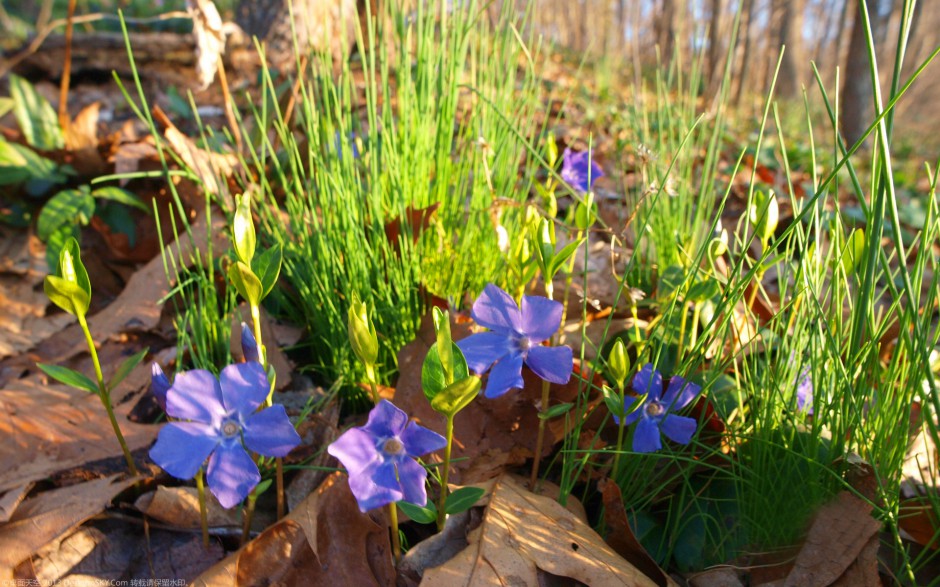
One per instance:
(523,533)
(23,302)
(179,506)
(12,499)
(53,427)
(841,531)
(620,536)
(82,133)
(52,514)
(325,541)
(721,577)
(211,168)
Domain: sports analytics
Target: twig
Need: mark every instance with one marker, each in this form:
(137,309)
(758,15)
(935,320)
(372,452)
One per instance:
(64,120)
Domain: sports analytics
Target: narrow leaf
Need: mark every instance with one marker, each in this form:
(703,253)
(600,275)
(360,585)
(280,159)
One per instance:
(245,282)
(462,499)
(555,411)
(433,378)
(69,377)
(267,266)
(126,367)
(456,396)
(116,194)
(421,515)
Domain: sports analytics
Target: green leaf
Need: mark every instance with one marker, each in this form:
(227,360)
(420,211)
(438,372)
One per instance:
(126,367)
(614,402)
(433,379)
(243,230)
(555,411)
(618,364)
(19,163)
(462,499)
(66,295)
(456,396)
(69,377)
(6,104)
(116,194)
(703,290)
(267,266)
(670,281)
(71,267)
(36,117)
(764,214)
(854,252)
(66,207)
(444,343)
(56,241)
(245,282)
(421,515)
(562,256)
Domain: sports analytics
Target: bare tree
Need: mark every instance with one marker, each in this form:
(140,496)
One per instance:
(857,88)
(793,65)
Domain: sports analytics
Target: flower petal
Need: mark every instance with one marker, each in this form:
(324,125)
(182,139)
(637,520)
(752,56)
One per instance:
(159,384)
(678,428)
(483,349)
(496,310)
(506,374)
(376,486)
(182,447)
(541,317)
(647,380)
(679,393)
(628,402)
(231,474)
(244,387)
(356,449)
(269,432)
(196,395)
(419,440)
(551,363)
(646,436)
(385,420)
(412,475)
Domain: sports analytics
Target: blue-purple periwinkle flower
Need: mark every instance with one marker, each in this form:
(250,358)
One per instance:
(380,458)
(514,338)
(249,344)
(159,384)
(579,170)
(654,413)
(804,392)
(222,422)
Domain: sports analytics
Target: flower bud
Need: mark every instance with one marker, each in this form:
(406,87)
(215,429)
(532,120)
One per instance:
(243,230)
(362,335)
(159,385)
(584,215)
(764,214)
(617,363)
(249,345)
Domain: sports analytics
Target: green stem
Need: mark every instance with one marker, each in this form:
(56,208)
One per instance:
(696,315)
(636,324)
(370,375)
(620,428)
(105,396)
(247,515)
(203,510)
(540,439)
(569,278)
(441,508)
(683,320)
(279,477)
(393,522)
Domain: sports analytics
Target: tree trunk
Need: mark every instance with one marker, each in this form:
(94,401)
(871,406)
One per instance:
(745,49)
(857,88)
(715,44)
(319,25)
(793,67)
(666,29)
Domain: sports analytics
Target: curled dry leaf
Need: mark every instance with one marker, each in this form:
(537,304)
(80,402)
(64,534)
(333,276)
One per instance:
(523,533)
(210,39)
(325,541)
(179,507)
(839,546)
(50,515)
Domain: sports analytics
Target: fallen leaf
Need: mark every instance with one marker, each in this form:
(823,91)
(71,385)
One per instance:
(211,168)
(12,499)
(179,506)
(521,534)
(325,541)
(720,577)
(50,515)
(840,532)
(620,536)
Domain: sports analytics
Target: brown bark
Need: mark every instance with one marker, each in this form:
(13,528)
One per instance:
(745,50)
(666,29)
(856,89)
(793,65)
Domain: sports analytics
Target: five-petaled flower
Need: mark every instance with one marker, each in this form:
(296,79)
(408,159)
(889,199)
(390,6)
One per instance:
(221,421)
(579,170)
(380,458)
(513,339)
(653,414)
(804,391)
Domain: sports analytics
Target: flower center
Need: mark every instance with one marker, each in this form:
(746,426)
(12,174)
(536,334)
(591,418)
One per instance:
(524,344)
(230,429)
(393,446)
(655,409)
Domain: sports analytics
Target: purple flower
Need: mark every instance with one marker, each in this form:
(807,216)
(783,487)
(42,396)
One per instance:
(804,392)
(249,344)
(159,385)
(222,422)
(380,458)
(654,414)
(576,167)
(513,339)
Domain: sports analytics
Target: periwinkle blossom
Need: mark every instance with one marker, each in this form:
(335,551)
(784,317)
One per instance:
(804,392)
(219,420)
(579,170)
(249,344)
(380,458)
(514,337)
(654,415)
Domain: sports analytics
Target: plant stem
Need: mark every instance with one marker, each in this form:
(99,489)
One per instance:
(620,428)
(541,437)
(682,324)
(279,476)
(441,508)
(370,375)
(247,515)
(203,510)
(105,396)
(393,522)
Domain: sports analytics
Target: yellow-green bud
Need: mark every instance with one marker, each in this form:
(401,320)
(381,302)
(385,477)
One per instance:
(618,363)
(362,335)
(243,230)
